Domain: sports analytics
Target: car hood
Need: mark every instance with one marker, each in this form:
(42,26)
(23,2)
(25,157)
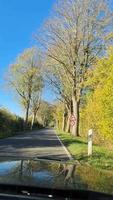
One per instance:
(54,174)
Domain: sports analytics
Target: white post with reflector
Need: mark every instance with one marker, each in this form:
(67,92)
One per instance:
(90,142)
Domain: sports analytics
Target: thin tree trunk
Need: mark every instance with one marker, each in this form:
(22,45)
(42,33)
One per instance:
(33,119)
(78,118)
(63,122)
(35,114)
(35,110)
(75,128)
(27,114)
(32,122)
(68,122)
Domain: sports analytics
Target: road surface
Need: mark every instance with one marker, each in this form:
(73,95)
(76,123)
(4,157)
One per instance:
(41,143)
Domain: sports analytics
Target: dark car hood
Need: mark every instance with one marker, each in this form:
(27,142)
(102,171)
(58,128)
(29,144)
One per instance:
(60,175)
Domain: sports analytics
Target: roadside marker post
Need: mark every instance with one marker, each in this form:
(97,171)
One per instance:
(90,142)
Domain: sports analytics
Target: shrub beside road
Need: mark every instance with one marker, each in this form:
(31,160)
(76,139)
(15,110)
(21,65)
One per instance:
(11,124)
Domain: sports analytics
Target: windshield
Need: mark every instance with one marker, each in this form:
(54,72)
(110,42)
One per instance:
(56,94)
(55,175)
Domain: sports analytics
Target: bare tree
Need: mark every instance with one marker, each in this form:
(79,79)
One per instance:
(72,39)
(24,78)
(59,80)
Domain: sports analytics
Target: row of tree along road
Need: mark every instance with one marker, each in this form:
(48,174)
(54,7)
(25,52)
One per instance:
(72,41)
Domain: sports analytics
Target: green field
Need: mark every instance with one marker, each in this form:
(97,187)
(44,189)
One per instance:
(101,158)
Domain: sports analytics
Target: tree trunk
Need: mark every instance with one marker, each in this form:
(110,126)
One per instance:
(27,113)
(33,120)
(75,127)
(63,122)
(68,122)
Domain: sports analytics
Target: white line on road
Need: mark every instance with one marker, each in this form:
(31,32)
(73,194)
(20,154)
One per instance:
(69,155)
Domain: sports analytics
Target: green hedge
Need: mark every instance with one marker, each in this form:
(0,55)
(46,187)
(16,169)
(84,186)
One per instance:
(12,124)
(9,124)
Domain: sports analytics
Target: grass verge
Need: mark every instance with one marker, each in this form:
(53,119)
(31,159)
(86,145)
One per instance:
(102,157)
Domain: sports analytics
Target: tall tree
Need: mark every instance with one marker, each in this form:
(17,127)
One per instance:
(74,36)
(61,84)
(35,105)
(24,77)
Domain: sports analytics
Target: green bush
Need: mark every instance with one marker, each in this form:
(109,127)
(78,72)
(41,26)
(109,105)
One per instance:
(9,124)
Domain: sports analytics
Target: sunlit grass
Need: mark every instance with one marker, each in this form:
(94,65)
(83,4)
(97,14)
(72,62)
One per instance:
(101,158)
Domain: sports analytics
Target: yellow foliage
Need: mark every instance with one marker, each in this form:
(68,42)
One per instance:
(58,114)
(98,112)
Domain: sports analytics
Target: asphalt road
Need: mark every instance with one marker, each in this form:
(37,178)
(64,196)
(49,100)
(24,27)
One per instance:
(41,143)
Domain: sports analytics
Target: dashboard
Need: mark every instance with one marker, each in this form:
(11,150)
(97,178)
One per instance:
(19,192)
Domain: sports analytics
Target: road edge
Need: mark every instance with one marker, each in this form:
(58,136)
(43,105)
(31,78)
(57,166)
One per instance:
(68,153)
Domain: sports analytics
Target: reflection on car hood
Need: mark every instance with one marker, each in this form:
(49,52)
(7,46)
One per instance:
(60,175)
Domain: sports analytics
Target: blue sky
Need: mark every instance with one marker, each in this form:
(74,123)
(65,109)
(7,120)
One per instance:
(19,20)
